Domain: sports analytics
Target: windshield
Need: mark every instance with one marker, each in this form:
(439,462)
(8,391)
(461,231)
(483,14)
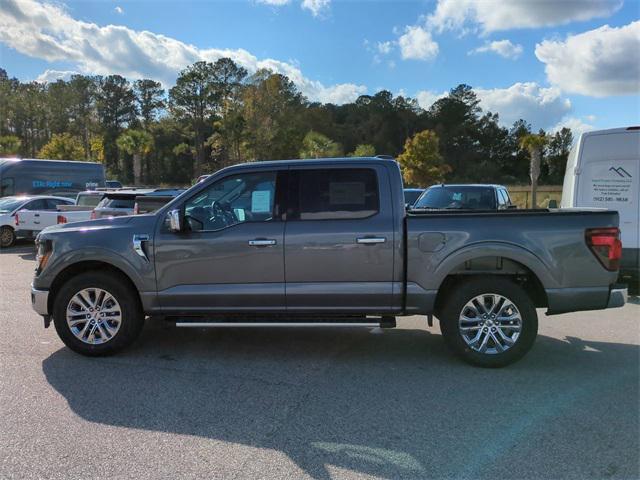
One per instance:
(9,204)
(458,198)
(90,200)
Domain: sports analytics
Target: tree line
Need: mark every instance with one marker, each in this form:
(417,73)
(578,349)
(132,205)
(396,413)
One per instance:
(217,114)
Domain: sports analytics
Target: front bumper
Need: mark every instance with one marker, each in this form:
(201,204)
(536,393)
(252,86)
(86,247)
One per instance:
(617,297)
(40,301)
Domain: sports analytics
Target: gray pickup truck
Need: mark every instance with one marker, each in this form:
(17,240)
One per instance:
(324,242)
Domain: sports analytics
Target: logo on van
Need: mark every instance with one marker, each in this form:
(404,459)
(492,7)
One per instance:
(621,171)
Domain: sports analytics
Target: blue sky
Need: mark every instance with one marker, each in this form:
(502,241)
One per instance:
(572,62)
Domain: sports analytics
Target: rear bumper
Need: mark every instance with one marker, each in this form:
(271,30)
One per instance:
(40,301)
(565,300)
(617,297)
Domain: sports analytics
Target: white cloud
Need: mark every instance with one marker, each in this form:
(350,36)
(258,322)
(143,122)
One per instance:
(118,10)
(426,98)
(504,48)
(542,107)
(53,75)
(600,62)
(48,32)
(495,15)
(384,47)
(576,125)
(416,44)
(316,7)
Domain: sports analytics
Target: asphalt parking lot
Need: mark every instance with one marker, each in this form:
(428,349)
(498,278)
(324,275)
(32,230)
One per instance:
(322,404)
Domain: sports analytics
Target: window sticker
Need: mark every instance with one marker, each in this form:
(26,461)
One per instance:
(261,201)
(239,212)
(346,193)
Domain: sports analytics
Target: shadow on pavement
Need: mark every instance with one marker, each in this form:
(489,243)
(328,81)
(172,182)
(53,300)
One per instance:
(23,247)
(395,404)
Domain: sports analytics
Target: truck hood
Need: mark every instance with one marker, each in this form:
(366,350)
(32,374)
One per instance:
(88,225)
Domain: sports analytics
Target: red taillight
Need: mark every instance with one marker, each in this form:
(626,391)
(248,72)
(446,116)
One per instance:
(606,246)
(93,215)
(62,219)
(17,220)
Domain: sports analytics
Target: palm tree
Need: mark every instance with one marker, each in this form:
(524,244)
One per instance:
(534,144)
(137,143)
(317,145)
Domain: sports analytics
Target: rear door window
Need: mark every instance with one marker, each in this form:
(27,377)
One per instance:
(39,204)
(52,204)
(334,194)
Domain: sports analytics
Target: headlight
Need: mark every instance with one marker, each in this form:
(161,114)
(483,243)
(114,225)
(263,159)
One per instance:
(42,257)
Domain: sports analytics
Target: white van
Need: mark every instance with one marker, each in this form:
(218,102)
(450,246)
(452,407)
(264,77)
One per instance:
(603,171)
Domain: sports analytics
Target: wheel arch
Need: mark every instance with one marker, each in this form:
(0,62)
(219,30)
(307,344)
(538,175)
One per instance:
(84,266)
(518,264)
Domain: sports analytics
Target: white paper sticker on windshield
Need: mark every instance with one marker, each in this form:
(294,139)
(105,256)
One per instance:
(261,201)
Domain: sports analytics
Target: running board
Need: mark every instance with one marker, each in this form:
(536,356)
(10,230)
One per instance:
(382,322)
(275,324)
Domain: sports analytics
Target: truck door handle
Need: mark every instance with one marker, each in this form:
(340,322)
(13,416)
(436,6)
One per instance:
(262,242)
(370,240)
(36,214)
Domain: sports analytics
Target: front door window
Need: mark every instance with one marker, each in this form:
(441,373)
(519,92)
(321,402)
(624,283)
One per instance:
(237,199)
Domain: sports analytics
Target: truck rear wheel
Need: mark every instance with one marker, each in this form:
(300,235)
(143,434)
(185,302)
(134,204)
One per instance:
(489,321)
(95,314)
(7,236)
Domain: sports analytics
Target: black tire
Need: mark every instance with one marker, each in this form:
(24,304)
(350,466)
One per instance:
(132,317)
(7,236)
(464,292)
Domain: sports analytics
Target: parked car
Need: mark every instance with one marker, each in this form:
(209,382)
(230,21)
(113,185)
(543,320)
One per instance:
(215,256)
(30,222)
(603,171)
(119,203)
(9,208)
(464,197)
(411,195)
(62,178)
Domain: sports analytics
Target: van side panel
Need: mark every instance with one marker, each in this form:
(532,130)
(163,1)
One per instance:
(49,177)
(609,177)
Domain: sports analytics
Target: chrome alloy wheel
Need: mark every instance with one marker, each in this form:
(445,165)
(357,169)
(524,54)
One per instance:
(94,316)
(490,323)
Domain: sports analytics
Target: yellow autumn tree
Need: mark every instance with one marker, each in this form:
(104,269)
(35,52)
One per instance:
(421,162)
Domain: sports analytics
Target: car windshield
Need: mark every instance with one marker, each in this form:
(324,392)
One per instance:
(458,198)
(88,200)
(9,204)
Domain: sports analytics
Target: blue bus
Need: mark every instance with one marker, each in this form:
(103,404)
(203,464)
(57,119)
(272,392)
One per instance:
(48,177)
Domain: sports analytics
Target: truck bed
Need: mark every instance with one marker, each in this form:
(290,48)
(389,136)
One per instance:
(550,244)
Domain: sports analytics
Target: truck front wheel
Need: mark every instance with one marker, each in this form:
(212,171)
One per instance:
(95,313)
(489,322)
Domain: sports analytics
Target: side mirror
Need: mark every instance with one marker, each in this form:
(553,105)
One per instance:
(175,220)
